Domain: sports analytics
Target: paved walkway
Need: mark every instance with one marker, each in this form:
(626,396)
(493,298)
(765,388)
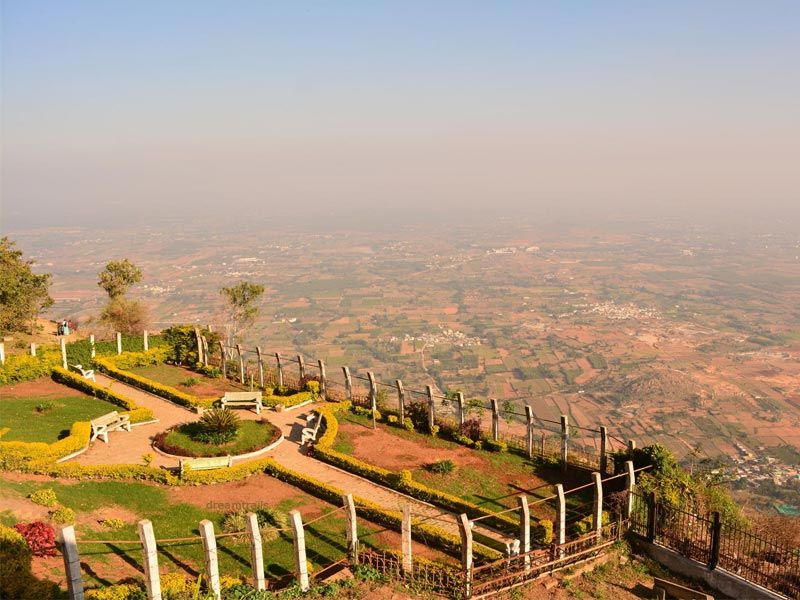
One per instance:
(128,448)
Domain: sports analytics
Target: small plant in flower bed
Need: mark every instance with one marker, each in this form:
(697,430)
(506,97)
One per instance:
(44,497)
(63,516)
(182,440)
(270,520)
(217,426)
(190,382)
(441,467)
(41,537)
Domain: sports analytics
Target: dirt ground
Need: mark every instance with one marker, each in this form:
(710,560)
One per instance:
(42,387)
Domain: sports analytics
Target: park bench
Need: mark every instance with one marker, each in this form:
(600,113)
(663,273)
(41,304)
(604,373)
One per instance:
(246,399)
(309,434)
(669,589)
(86,373)
(113,421)
(205,464)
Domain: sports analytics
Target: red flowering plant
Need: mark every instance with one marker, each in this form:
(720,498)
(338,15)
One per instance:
(41,537)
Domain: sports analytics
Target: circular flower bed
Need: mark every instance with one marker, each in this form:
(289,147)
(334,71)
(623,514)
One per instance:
(192,440)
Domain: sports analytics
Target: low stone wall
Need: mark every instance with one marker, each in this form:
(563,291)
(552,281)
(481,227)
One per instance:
(718,579)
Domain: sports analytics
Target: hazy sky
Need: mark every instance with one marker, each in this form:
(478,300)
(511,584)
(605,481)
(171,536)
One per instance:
(116,111)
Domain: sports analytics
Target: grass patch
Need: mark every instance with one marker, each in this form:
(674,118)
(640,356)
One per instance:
(172,375)
(27,424)
(251,436)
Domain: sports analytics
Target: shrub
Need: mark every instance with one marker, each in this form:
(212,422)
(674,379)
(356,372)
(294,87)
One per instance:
(190,382)
(442,467)
(113,523)
(120,591)
(496,446)
(40,537)
(44,497)
(471,428)
(543,533)
(392,419)
(417,411)
(24,367)
(16,579)
(217,426)
(43,407)
(147,459)
(408,424)
(312,385)
(63,516)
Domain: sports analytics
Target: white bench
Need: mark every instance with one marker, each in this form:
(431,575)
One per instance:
(246,399)
(205,464)
(309,433)
(113,421)
(86,373)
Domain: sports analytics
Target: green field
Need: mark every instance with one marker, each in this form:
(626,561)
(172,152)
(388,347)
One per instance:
(175,520)
(47,419)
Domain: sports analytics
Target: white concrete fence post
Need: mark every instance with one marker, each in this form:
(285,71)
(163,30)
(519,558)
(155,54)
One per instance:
(91,346)
(256,552)
(241,363)
(630,487)
(564,441)
(199,341)
(431,409)
(72,562)
(205,351)
(561,519)
(603,449)
(119,343)
(301,367)
(495,420)
(352,528)
(401,401)
(146,340)
(460,413)
(2,353)
(300,563)
(631,449)
(373,396)
(280,368)
(223,364)
(524,530)
(405,540)
(597,512)
(210,557)
(260,367)
(152,579)
(529,431)
(348,383)
(323,380)
(465,530)
(33,349)
(63,353)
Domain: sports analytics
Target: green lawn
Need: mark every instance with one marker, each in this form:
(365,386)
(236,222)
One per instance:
(53,422)
(168,374)
(489,483)
(325,539)
(252,435)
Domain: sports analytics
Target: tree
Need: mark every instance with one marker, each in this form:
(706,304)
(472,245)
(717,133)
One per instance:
(118,276)
(122,314)
(242,309)
(125,316)
(23,294)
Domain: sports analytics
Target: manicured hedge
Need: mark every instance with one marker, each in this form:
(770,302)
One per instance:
(289,401)
(21,455)
(110,367)
(403,481)
(78,382)
(24,367)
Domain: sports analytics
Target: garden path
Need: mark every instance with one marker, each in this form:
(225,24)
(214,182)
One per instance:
(128,448)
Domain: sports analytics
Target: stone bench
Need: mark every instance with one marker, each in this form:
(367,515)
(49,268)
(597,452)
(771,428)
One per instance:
(668,589)
(309,433)
(205,464)
(85,373)
(246,399)
(113,421)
